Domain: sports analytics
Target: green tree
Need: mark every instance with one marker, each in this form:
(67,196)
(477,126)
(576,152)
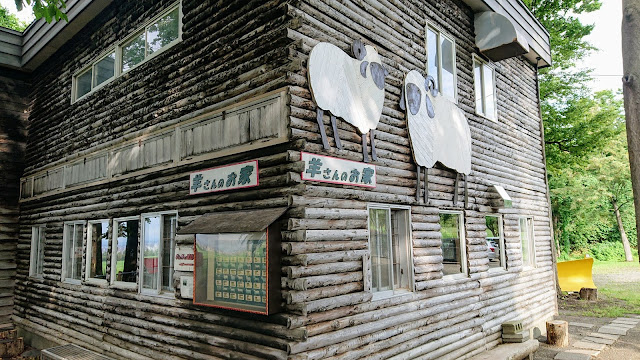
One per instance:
(11,21)
(48,9)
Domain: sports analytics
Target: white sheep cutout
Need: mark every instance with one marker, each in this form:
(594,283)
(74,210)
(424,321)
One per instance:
(351,89)
(438,129)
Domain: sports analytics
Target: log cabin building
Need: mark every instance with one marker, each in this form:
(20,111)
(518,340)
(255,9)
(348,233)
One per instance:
(195,180)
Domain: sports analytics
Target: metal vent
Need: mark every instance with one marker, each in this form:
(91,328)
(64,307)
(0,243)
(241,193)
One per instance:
(71,352)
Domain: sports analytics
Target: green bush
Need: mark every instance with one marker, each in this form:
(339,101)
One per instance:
(608,251)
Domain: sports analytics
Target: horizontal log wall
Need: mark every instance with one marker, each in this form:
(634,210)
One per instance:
(232,51)
(327,239)
(14,104)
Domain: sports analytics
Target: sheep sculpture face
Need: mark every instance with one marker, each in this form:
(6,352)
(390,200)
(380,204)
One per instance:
(348,88)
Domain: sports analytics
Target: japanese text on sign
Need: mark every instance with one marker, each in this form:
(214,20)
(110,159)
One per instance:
(222,178)
(338,171)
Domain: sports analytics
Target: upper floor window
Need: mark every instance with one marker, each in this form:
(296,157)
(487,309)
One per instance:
(441,62)
(155,36)
(158,243)
(163,32)
(37,251)
(527,241)
(72,251)
(454,250)
(495,242)
(390,246)
(485,88)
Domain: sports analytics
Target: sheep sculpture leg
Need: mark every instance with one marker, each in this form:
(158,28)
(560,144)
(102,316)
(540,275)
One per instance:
(323,134)
(374,156)
(335,132)
(365,155)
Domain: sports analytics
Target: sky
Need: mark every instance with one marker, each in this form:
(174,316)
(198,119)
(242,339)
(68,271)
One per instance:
(606,36)
(24,15)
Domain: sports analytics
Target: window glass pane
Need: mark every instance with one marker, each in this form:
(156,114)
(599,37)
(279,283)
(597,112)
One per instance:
(448,64)
(489,93)
(77,252)
(399,240)
(163,32)
(432,55)
(126,257)
(169,224)
(40,250)
(105,69)
(83,84)
(494,241)
(451,252)
(99,233)
(477,80)
(151,252)
(68,252)
(380,249)
(524,239)
(133,52)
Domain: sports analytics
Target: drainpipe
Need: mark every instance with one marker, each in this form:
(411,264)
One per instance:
(554,255)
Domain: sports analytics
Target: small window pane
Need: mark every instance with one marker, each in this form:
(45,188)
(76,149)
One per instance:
(133,52)
(40,253)
(380,249)
(525,241)
(37,251)
(448,65)
(83,84)
(451,250)
(169,225)
(432,56)
(163,32)
(477,80)
(105,69)
(151,252)
(99,233)
(126,257)
(494,241)
(77,252)
(489,92)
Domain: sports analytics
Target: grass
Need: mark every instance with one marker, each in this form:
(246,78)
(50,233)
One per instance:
(618,291)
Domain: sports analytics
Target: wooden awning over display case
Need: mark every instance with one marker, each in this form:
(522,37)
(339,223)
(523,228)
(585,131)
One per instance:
(241,221)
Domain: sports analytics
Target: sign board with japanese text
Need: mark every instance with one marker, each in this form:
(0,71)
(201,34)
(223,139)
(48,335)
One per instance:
(184,258)
(228,177)
(338,171)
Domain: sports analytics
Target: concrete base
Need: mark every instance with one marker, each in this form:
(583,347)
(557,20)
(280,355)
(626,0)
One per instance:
(35,340)
(510,351)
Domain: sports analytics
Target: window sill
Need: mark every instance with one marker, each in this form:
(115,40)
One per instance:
(164,294)
(37,277)
(500,269)
(389,294)
(96,282)
(495,120)
(72,281)
(124,286)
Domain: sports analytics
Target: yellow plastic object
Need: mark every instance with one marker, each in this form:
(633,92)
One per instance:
(576,274)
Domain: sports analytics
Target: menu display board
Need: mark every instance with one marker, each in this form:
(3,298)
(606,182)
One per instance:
(231,271)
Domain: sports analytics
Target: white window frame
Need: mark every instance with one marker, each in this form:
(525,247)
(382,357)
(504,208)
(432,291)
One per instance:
(529,220)
(462,243)
(502,255)
(65,249)
(159,290)
(38,234)
(439,34)
(89,251)
(379,295)
(482,112)
(92,68)
(117,49)
(114,253)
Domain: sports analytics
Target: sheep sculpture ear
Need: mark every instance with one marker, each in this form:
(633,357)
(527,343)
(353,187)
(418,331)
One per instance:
(359,52)
(430,85)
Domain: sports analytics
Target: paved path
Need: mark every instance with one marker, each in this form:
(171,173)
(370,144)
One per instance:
(597,340)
